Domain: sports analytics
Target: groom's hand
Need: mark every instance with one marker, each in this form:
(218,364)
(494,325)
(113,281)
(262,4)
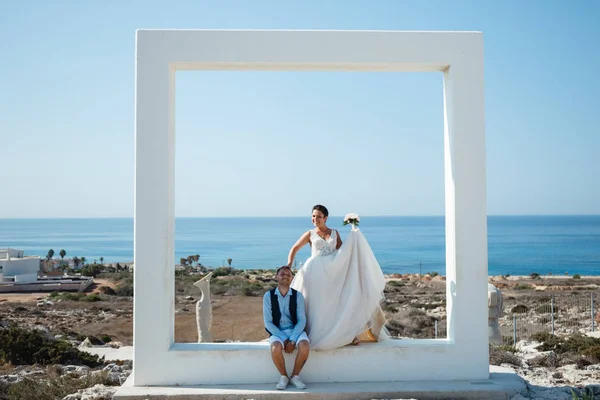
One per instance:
(289,346)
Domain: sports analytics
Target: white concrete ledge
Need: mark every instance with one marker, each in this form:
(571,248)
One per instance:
(502,384)
(264,346)
(393,360)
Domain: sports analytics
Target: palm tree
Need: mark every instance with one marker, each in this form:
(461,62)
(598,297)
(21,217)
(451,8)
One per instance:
(102,260)
(50,254)
(76,261)
(62,253)
(229,260)
(82,259)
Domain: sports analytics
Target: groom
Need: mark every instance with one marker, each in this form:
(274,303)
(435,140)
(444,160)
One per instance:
(285,319)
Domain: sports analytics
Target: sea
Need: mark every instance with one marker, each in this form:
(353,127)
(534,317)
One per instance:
(517,245)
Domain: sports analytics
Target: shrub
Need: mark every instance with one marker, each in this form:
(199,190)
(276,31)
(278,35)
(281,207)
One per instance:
(91,270)
(107,290)
(412,323)
(520,309)
(91,297)
(69,296)
(577,344)
(545,360)
(224,271)
(522,286)
(125,289)
(593,353)
(576,276)
(499,356)
(57,388)
(534,275)
(252,289)
(389,308)
(106,338)
(25,347)
(396,283)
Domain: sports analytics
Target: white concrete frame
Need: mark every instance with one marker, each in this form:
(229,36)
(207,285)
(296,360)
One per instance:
(158,360)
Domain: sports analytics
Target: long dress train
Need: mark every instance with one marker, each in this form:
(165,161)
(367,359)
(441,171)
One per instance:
(343,291)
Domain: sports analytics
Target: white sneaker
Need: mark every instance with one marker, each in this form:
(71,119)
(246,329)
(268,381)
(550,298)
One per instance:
(283,382)
(296,381)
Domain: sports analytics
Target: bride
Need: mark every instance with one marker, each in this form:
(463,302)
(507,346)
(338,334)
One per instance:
(342,286)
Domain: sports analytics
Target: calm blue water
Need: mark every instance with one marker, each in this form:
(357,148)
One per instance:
(518,245)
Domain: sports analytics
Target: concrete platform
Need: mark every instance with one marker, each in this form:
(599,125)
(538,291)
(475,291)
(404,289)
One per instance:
(503,384)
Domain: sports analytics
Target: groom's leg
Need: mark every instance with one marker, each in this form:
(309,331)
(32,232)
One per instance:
(303,350)
(277,356)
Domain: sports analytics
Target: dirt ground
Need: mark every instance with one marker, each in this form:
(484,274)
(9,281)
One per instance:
(237,318)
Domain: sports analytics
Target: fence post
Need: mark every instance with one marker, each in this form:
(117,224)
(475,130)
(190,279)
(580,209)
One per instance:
(514,329)
(436,331)
(592,302)
(552,313)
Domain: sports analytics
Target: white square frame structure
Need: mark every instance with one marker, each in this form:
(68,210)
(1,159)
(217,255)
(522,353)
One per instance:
(158,360)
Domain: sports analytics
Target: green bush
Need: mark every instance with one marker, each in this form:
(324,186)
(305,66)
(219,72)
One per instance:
(91,270)
(519,309)
(252,289)
(499,355)
(75,296)
(224,271)
(125,288)
(26,347)
(91,297)
(57,388)
(534,275)
(107,290)
(576,276)
(586,394)
(106,338)
(396,283)
(593,353)
(522,286)
(578,344)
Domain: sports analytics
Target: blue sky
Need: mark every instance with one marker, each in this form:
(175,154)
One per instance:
(274,144)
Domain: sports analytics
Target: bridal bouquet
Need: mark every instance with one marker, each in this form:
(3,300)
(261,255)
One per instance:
(353,219)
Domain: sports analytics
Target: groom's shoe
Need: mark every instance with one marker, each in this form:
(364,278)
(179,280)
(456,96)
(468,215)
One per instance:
(296,381)
(283,382)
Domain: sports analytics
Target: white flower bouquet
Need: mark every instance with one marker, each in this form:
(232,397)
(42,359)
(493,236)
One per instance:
(353,219)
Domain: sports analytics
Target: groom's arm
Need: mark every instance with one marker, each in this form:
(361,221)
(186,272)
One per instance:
(268,318)
(301,314)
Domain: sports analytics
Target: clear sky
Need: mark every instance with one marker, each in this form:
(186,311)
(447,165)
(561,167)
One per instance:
(274,144)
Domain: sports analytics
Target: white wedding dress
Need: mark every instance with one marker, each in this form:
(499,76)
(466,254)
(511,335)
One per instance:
(343,290)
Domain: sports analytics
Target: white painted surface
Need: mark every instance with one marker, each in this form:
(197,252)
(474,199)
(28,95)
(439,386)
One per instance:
(459,55)
(10,253)
(503,384)
(17,268)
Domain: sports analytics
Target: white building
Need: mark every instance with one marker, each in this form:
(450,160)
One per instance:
(17,268)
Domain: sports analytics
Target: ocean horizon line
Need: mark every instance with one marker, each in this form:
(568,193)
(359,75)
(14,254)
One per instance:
(299,216)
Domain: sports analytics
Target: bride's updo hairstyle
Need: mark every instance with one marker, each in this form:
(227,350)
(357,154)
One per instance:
(321,208)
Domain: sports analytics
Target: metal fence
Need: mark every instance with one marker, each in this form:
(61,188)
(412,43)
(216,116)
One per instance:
(555,314)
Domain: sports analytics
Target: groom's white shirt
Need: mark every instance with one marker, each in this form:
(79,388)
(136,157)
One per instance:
(286,330)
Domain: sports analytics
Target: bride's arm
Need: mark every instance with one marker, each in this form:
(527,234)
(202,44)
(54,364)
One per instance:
(339,240)
(304,239)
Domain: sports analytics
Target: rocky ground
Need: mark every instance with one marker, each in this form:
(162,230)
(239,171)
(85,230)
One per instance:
(414,307)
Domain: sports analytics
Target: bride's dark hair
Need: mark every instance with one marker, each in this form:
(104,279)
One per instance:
(321,208)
